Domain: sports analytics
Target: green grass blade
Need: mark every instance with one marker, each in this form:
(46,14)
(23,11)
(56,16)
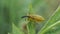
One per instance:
(16,30)
(31,28)
(55,17)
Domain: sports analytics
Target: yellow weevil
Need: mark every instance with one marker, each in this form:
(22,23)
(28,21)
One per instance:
(33,17)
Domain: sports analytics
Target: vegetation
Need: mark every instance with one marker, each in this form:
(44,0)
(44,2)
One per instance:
(11,12)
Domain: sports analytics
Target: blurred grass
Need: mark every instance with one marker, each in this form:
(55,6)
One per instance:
(31,27)
(53,21)
(13,10)
(16,30)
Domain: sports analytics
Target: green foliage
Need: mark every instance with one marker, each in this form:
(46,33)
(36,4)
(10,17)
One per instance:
(11,12)
(31,28)
(16,30)
(53,24)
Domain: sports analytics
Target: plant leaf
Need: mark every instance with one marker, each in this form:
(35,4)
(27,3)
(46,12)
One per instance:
(16,30)
(54,19)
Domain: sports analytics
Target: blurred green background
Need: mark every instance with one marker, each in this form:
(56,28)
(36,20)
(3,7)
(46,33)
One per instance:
(11,12)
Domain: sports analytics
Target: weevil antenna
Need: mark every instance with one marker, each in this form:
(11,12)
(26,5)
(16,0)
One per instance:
(25,16)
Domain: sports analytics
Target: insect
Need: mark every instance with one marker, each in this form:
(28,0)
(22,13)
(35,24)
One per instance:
(34,17)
